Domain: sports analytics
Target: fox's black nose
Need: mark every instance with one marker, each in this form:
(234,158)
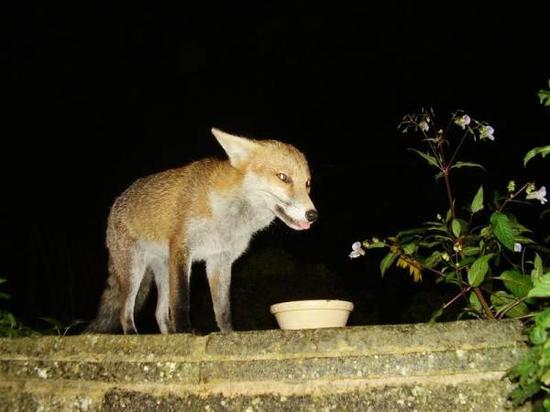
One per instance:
(312,215)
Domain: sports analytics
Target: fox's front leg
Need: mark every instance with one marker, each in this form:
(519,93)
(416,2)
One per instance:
(218,271)
(179,266)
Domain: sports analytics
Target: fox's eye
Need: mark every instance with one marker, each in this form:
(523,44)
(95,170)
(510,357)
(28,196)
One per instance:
(283,177)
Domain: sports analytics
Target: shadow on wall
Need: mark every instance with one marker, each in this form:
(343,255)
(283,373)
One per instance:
(272,275)
(260,279)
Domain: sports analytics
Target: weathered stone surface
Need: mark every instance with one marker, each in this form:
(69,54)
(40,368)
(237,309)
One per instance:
(368,339)
(105,371)
(371,366)
(455,366)
(103,347)
(484,397)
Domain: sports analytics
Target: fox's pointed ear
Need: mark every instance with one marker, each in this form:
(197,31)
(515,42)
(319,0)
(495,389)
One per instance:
(238,149)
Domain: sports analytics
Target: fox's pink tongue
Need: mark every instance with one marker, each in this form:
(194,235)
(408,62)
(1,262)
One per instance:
(304,225)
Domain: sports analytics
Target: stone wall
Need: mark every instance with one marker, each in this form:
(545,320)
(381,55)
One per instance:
(456,366)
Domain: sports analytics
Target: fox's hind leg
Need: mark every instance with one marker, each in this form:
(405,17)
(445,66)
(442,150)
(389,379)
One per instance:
(162,313)
(130,269)
(179,266)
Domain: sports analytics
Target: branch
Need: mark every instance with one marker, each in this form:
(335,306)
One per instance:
(484,304)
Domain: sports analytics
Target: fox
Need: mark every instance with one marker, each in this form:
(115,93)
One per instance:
(205,211)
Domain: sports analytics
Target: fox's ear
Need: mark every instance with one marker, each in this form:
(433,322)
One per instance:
(238,149)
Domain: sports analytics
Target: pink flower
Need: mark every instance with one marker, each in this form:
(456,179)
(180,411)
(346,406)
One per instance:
(486,132)
(463,121)
(539,195)
(357,250)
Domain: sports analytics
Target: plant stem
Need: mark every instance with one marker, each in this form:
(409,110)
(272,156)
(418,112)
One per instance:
(449,192)
(437,155)
(517,302)
(458,274)
(484,304)
(458,148)
(523,260)
(512,197)
(449,303)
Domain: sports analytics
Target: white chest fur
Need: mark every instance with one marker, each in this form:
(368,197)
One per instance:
(234,220)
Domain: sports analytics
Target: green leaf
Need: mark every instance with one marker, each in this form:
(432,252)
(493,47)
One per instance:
(449,215)
(471,251)
(456,227)
(542,287)
(411,232)
(11,319)
(441,228)
(429,158)
(375,245)
(544,97)
(407,236)
(486,231)
(4,295)
(443,239)
(523,392)
(538,269)
(435,315)
(542,318)
(545,378)
(458,165)
(545,355)
(410,248)
(525,240)
(518,227)
(451,278)
(475,303)
(517,283)
(433,259)
(507,304)
(387,262)
(478,270)
(503,230)
(468,260)
(543,151)
(477,203)
(538,335)
(429,245)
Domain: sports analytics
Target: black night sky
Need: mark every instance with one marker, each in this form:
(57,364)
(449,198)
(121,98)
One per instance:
(101,94)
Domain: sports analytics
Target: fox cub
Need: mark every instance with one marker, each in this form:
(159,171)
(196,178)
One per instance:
(205,211)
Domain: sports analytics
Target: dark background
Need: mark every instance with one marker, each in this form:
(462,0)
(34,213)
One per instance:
(101,94)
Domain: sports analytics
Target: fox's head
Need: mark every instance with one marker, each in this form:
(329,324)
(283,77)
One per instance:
(275,172)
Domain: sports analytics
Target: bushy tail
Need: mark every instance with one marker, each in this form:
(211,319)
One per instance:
(108,314)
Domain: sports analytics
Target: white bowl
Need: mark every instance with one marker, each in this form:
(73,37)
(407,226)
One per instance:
(312,314)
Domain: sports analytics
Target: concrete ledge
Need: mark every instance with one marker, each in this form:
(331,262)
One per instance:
(446,366)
